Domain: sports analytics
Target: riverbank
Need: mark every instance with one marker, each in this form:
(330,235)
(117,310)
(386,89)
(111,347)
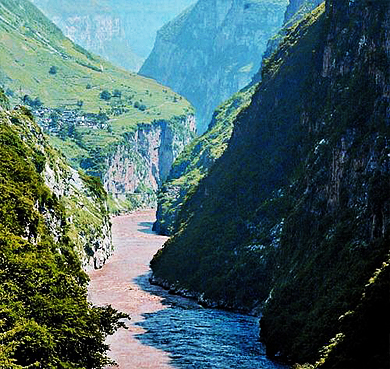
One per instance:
(167,330)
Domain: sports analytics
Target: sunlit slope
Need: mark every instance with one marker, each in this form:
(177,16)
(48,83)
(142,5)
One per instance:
(36,59)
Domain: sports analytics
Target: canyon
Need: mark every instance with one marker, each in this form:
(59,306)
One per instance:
(278,215)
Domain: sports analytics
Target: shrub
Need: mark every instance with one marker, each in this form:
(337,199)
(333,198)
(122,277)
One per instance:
(53,69)
(105,95)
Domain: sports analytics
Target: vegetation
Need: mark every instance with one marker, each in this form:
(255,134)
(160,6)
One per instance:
(294,216)
(91,101)
(45,319)
(196,160)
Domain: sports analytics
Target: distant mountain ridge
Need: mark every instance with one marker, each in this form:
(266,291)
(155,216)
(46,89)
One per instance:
(121,31)
(213,49)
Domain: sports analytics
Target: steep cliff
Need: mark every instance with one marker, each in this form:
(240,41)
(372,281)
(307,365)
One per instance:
(120,31)
(138,165)
(212,50)
(83,199)
(294,216)
(46,320)
(196,160)
(88,106)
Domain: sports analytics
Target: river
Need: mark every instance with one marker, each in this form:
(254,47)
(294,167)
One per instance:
(167,331)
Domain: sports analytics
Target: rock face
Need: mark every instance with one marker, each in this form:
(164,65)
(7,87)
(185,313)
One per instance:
(121,31)
(294,217)
(212,50)
(195,162)
(141,162)
(86,212)
(87,221)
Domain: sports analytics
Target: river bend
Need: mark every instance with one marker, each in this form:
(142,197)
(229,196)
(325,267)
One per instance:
(167,331)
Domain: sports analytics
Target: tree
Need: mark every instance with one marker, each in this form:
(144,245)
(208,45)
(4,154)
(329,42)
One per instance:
(105,95)
(53,69)
(117,93)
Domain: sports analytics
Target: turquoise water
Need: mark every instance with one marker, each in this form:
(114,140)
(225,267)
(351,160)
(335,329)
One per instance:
(197,337)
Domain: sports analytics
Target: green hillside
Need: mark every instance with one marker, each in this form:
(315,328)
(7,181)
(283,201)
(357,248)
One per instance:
(87,105)
(39,61)
(293,219)
(45,318)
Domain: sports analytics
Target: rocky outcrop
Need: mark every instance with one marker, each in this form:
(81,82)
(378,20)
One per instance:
(141,162)
(47,320)
(84,201)
(121,31)
(212,50)
(294,217)
(86,212)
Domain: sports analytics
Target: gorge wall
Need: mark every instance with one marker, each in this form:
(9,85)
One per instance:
(138,165)
(197,159)
(43,296)
(213,49)
(194,162)
(121,31)
(293,218)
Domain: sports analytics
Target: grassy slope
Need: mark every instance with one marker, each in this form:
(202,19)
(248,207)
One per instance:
(30,45)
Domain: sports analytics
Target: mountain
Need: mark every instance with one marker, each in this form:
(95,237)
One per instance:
(293,218)
(46,320)
(124,128)
(196,160)
(212,50)
(120,31)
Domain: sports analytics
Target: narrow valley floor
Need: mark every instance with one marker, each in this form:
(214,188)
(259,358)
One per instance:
(167,331)
(115,284)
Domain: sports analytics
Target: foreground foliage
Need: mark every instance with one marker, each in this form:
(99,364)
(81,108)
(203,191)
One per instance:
(45,319)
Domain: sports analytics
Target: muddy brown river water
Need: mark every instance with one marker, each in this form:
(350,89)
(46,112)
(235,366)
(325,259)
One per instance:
(167,331)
